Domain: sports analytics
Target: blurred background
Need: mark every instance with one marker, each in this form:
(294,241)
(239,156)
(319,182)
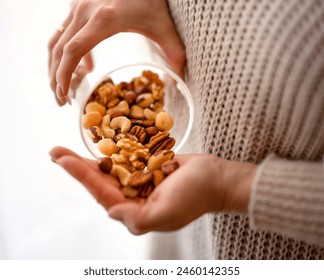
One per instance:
(45,213)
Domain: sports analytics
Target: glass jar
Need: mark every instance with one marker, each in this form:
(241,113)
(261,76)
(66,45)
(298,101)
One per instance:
(122,58)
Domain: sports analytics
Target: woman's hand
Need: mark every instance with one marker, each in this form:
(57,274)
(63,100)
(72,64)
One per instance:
(92,21)
(202,184)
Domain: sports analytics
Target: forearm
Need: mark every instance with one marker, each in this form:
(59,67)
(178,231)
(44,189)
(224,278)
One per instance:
(288,198)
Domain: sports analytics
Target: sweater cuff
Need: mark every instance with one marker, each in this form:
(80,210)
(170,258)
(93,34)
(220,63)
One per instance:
(288,198)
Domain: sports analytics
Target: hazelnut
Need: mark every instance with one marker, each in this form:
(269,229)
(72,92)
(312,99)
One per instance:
(107,147)
(164,121)
(130,96)
(105,164)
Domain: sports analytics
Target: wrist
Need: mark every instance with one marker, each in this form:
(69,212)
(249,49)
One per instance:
(232,185)
(237,180)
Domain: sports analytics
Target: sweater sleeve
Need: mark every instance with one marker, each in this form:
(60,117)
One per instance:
(288,198)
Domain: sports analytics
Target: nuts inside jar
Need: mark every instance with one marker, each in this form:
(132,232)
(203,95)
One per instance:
(129,126)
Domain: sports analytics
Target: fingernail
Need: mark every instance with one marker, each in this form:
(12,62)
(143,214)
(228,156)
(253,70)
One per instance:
(59,92)
(52,155)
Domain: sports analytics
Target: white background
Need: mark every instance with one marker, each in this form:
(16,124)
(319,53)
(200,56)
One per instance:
(44,213)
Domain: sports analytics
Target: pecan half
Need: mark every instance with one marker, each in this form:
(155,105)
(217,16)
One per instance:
(151,131)
(139,133)
(146,190)
(139,178)
(160,141)
(144,123)
(166,145)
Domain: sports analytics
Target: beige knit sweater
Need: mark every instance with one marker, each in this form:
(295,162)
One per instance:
(256,72)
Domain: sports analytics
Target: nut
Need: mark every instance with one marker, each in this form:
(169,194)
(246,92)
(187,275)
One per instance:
(157,94)
(151,131)
(169,166)
(107,147)
(144,123)
(122,160)
(95,134)
(156,160)
(91,119)
(113,102)
(105,164)
(136,112)
(115,114)
(146,190)
(121,122)
(149,114)
(130,96)
(160,141)
(145,100)
(158,107)
(121,173)
(130,192)
(106,93)
(139,133)
(95,107)
(164,121)
(126,135)
(105,128)
(166,145)
(134,151)
(121,107)
(140,178)
(158,177)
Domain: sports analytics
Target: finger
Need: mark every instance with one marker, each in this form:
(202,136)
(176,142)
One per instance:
(88,62)
(104,188)
(79,46)
(169,41)
(58,152)
(56,36)
(155,214)
(57,53)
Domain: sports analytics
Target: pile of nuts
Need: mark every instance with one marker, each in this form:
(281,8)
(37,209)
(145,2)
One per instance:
(130,127)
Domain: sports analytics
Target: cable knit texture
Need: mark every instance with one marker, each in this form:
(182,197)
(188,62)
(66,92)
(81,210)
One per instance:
(256,73)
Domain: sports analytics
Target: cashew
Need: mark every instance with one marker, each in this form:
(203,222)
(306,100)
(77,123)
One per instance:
(122,173)
(122,107)
(107,147)
(164,121)
(121,122)
(95,107)
(136,112)
(105,128)
(91,119)
(156,160)
(149,114)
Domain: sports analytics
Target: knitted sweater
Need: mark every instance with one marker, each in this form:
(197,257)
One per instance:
(256,73)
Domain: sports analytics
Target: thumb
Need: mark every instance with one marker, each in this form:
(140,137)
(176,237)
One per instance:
(170,43)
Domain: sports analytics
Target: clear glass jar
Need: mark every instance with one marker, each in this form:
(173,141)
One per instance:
(123,58)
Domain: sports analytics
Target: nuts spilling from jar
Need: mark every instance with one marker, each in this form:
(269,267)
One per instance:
(130,127)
